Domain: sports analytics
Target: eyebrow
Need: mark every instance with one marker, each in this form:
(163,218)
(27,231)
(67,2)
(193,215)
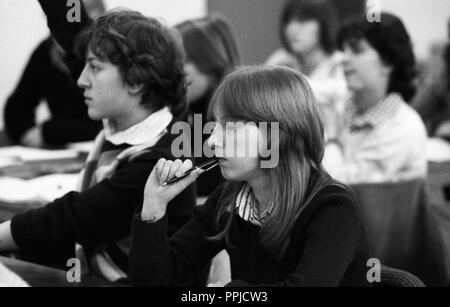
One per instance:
(92,58)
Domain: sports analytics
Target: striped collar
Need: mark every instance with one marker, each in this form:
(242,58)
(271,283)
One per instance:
(247,206)
(375,116)
(147,132)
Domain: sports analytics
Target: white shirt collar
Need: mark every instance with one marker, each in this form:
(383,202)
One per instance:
(147,132)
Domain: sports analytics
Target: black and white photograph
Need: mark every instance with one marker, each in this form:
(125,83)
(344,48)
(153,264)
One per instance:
(224,148)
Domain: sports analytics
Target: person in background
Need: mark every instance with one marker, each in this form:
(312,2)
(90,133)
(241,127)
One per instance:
(382,138)
(46,77)
(307,32)
(433,98)
(212,53)
(283,224)
(133,79)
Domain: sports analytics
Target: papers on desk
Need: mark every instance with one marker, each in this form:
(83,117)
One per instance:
(40,190)
(18,154)
(10,279)
(84,147)
(438,150)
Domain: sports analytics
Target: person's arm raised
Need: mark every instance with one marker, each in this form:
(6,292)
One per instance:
(64,29)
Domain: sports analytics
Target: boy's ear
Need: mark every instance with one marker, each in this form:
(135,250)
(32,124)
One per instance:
(135,89)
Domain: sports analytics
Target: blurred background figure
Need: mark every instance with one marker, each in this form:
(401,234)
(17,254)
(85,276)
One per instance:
(382,137)
(433,99)
(46,77)
(307,32)
(211,54)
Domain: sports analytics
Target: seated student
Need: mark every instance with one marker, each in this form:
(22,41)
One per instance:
(432,101)
(46,77)
(133,80)
(283,220)
(382,138)
(211,53)
(307,32)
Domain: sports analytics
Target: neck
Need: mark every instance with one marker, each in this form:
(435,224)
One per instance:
(311,60)
(129,120)
(262,192)
(368,98)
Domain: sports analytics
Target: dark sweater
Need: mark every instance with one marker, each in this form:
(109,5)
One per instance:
(42,79)
(98,216)
(329,247)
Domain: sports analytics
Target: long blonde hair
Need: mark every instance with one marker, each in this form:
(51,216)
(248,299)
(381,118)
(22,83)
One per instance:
(276,94)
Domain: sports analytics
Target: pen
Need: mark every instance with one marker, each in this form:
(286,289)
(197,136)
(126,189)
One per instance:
(204,166)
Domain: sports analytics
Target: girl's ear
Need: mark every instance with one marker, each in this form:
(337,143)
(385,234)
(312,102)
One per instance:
(135,89)
(386,69)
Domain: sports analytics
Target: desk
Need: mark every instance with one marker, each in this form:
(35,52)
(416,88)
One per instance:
(41,276)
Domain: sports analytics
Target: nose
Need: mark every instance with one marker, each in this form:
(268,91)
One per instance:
(214,139)
(83,80)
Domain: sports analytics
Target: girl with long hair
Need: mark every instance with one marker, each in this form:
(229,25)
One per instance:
(285,223)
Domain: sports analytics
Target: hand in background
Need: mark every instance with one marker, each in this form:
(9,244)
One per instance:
(33,138)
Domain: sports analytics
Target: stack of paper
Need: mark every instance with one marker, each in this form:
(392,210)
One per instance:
(10,279)
(39,190)
(18,154)
(438,150)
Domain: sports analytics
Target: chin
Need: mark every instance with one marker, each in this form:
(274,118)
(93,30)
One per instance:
(94,116)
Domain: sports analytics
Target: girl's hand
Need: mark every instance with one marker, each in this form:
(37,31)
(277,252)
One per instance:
(157,196)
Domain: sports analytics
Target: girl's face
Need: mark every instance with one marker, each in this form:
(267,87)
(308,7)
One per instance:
(363,67)
(106,95)
(237,146)
(198,82)
(303,36)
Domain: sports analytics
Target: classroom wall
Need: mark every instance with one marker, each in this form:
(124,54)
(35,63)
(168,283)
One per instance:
(23,26)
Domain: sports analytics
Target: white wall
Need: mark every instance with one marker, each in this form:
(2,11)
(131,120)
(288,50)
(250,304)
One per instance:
(23,26)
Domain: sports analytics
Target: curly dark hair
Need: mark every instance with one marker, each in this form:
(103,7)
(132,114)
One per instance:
(146,52)
(393,44)
(321,10)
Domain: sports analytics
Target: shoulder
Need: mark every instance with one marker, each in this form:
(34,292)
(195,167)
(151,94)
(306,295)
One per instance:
(282,57)
(335,200)
(409,121)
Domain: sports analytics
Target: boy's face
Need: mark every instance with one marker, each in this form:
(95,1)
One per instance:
(106,95)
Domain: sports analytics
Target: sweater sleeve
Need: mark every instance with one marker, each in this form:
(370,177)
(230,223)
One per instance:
(65,130)
(331,242)
(20,106)
(95,217)
(156,260)
(66,32)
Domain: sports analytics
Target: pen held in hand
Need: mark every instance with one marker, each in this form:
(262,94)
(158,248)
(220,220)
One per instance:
(208,165)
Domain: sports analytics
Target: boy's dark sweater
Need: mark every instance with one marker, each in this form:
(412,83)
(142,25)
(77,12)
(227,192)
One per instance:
(98,216)
(329,247)
(42,79)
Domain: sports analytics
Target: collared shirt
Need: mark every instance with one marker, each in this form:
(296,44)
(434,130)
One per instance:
(385,144)
(146,132)
(247,206)
(374,117)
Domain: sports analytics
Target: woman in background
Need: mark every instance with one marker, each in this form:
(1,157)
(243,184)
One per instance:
(283,224)
(307,32)
(382,137)
(211,53)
